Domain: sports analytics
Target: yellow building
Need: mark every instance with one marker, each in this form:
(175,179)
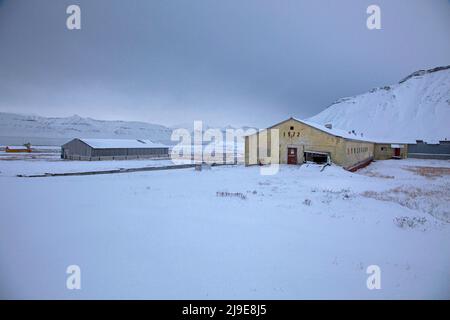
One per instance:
(300,141)
(384,151)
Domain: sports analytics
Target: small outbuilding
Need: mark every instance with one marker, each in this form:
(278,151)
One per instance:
(384,150)
(113,149)
(17,149)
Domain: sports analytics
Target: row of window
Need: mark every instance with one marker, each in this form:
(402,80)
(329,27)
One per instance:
(357,150)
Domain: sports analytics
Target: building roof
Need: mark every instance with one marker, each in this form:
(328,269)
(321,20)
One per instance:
(336,132)
(121,143)
(341,133)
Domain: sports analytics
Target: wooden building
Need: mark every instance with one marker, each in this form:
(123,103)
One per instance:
(18,149)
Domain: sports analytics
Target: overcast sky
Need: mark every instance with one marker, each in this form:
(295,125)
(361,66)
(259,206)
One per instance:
(239,62)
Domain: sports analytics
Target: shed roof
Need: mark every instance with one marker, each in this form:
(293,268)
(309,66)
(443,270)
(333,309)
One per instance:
(121,143)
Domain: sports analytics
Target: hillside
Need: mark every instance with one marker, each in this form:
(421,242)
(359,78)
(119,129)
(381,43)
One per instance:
(418,107)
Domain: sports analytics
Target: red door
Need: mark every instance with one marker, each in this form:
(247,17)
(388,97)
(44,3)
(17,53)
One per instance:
(292,155)
(396,152)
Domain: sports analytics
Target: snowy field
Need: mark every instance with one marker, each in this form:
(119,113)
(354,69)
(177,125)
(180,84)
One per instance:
(228,232)
(29,166)
(48,160)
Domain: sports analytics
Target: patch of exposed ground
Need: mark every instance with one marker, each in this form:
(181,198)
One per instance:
(429,172)
(432,201)
(377,175)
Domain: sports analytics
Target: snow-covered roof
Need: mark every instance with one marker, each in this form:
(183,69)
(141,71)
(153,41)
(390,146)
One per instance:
(344,133)
(335,131)
(121,143)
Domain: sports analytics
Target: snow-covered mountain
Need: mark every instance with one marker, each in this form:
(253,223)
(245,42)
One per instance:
(60,129)
(19,129)
(416,108)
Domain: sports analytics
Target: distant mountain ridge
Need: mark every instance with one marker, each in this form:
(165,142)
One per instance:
(416,108)
(17,125)
(19,128)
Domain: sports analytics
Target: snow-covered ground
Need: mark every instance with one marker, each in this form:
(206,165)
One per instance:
(229,232)
(48,160)
(29,166)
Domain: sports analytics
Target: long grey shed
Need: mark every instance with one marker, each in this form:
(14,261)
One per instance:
(112,149)
(423,150)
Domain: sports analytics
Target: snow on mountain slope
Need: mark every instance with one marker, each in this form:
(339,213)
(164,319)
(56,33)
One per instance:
(418,107)
(16,125)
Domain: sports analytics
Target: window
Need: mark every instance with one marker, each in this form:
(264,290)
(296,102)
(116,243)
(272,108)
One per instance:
(292,128)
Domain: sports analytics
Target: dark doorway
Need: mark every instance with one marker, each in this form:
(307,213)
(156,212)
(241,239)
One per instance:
(292,155)
(316,157)
(397,152)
